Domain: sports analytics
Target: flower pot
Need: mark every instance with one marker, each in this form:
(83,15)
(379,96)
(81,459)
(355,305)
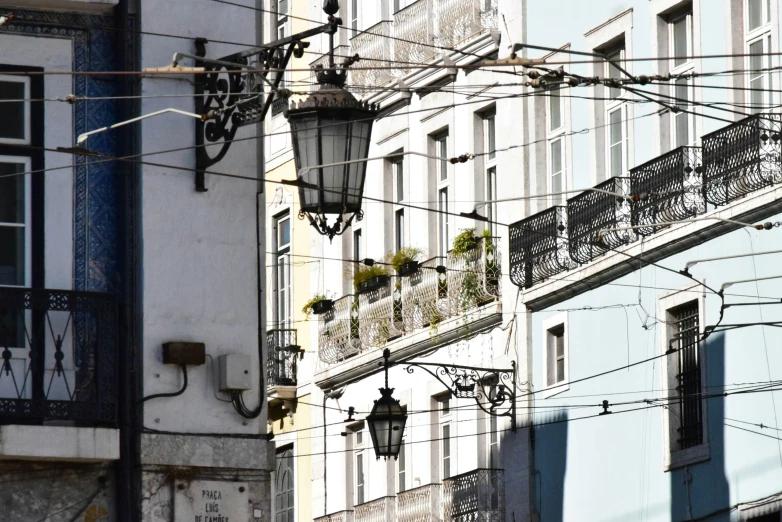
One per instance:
(321,307)
(409,268)
(373,284)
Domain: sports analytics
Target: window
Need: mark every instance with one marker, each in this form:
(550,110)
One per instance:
(616,143)
(556,147)
(397,5)
(758,14)
(14,222)
(14,115)
(681,51)
(282,281)
(354,17)
(399,180)
(681,39)
(399,229)
(445,437)
(556,171)
(555,354)
(494,443)
(686,440)
(401,467)
(489,126)
(284,502)
(554,109)
(441,142)
(491,196)
(759,79)
(682,121)
(358,246)
(359,478)
(615,56)
(443,219)
(490,166)
(686,370)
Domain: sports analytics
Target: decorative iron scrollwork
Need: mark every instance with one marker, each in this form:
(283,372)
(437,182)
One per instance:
(539,247)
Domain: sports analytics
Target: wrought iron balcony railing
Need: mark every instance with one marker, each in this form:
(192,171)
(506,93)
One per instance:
(592,216)
(421,504)
(742,158)
(340,516)
(414,33)
(282,353)
(539,247)
(477,496)
(58,356)
(672,185)
(379,510)
(425,296)
(338,331)
(458,20)
(474,276)
(390,307)
(376,47)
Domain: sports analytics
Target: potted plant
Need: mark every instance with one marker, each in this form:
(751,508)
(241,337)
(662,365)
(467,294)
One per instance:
(405,260)
(319,304)
(367,278)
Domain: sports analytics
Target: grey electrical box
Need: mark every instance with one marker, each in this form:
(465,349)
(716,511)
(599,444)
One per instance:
(235,374)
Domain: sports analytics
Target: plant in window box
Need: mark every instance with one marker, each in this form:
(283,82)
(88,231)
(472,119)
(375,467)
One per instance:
(367,278)
(319,304)
(464,248)
(405,261)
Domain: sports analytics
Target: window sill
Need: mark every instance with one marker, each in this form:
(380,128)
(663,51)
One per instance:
(554,389)
(686,457)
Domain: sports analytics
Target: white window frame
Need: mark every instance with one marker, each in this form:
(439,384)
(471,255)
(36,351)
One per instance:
(282,20)
(283,281)
(355,24)
(551,188)
(680,458)
(624,142)
(613,102)
(27,130)
(446,419)
(489,122)
(763,36)
(493,429)
(28,255)
(551,323)
(684,68)
(765,26)
(359,448)
(401,475)
(444,231)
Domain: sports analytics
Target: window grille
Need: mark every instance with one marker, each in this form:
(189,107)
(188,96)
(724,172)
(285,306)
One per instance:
(688,377)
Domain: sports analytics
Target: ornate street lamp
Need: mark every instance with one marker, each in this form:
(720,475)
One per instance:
(387,421)
(331,133)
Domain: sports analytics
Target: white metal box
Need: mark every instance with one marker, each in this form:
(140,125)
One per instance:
(234,370)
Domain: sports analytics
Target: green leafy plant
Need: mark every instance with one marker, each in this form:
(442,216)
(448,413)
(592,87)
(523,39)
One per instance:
(468,240)
(404,255)
(307,308)
(363,273)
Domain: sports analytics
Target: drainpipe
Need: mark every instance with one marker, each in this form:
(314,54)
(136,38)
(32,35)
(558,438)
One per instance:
(336,395)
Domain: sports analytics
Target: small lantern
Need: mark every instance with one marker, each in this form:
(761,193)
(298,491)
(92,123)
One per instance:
(331,133)
(387,420)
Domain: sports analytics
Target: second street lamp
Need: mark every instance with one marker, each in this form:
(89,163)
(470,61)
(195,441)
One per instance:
(386,421)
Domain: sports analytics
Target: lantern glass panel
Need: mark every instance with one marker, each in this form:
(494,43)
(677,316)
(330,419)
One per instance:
(305,143)
(359,149)
(334,139)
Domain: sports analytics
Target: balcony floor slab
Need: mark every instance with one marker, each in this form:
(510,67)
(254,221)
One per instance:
(59,443)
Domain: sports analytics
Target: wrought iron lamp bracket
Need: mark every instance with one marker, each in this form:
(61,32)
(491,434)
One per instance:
(494,389)
(232,97)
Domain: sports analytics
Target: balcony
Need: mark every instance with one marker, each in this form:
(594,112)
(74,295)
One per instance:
(376,47)
(388,307)
(282,354)
(340,516)
(591,213)
(59,357)
(475,496)
(673,186)
(742,158)
(414,33)
(379,510)
(539,247)
(735,161)
(421,504)
(458,20)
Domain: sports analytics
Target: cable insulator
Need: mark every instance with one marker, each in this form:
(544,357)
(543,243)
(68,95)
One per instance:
(643,79)
(533,74)
(368,261)
(573,82)
(70,99)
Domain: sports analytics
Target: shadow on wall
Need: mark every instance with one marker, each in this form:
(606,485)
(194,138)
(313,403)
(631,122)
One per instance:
(550,464)
(701,489)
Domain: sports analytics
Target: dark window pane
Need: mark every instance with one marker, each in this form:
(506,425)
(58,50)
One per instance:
(11,192)
(754,13)
(680,47)
(12,256)
(12,114)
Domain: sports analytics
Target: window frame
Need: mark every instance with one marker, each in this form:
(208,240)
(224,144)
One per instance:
(26,161)
(489,131)
(288,448)
(27,139)
(673,459)
(283,298)
(360,475)
(399,229)
(549,324)
(354,17)
(446,420)
(764,36)
(624,142)
(764,26)
(688,66)
(401,468)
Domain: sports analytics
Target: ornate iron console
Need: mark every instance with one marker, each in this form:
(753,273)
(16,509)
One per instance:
(591,217)
(58,356)
(539,247)
(742,158)
(670,188)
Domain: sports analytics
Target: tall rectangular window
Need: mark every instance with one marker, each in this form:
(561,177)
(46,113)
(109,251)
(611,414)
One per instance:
(687,407)
(615,57)
(354,17)
(616,153)
(556,157)
(682,120)
(397,5)
(555,355)
(554,109)
(398,168)
(401,467)
(441,142)
(443,220)
(284,491)
(358,246)
(14,222)
(758,13)
(359,478)
(490,133)
(759,76)
(445,437)
(490,166)
(681,39)
(494,443)
(14,114)
(399,229)
(282,281)
(491,197)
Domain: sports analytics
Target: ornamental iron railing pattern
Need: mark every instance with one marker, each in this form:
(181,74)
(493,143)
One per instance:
(594,216)
(414,33)
(341,516)
(742,158)
(421,504)
(539,247)
(457,20)
(379,510)
(477,496)
(282,353)
(425,296)
(338,331)
(670,189)
(474,276)
(375,47)
(379,317)
(58,356)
